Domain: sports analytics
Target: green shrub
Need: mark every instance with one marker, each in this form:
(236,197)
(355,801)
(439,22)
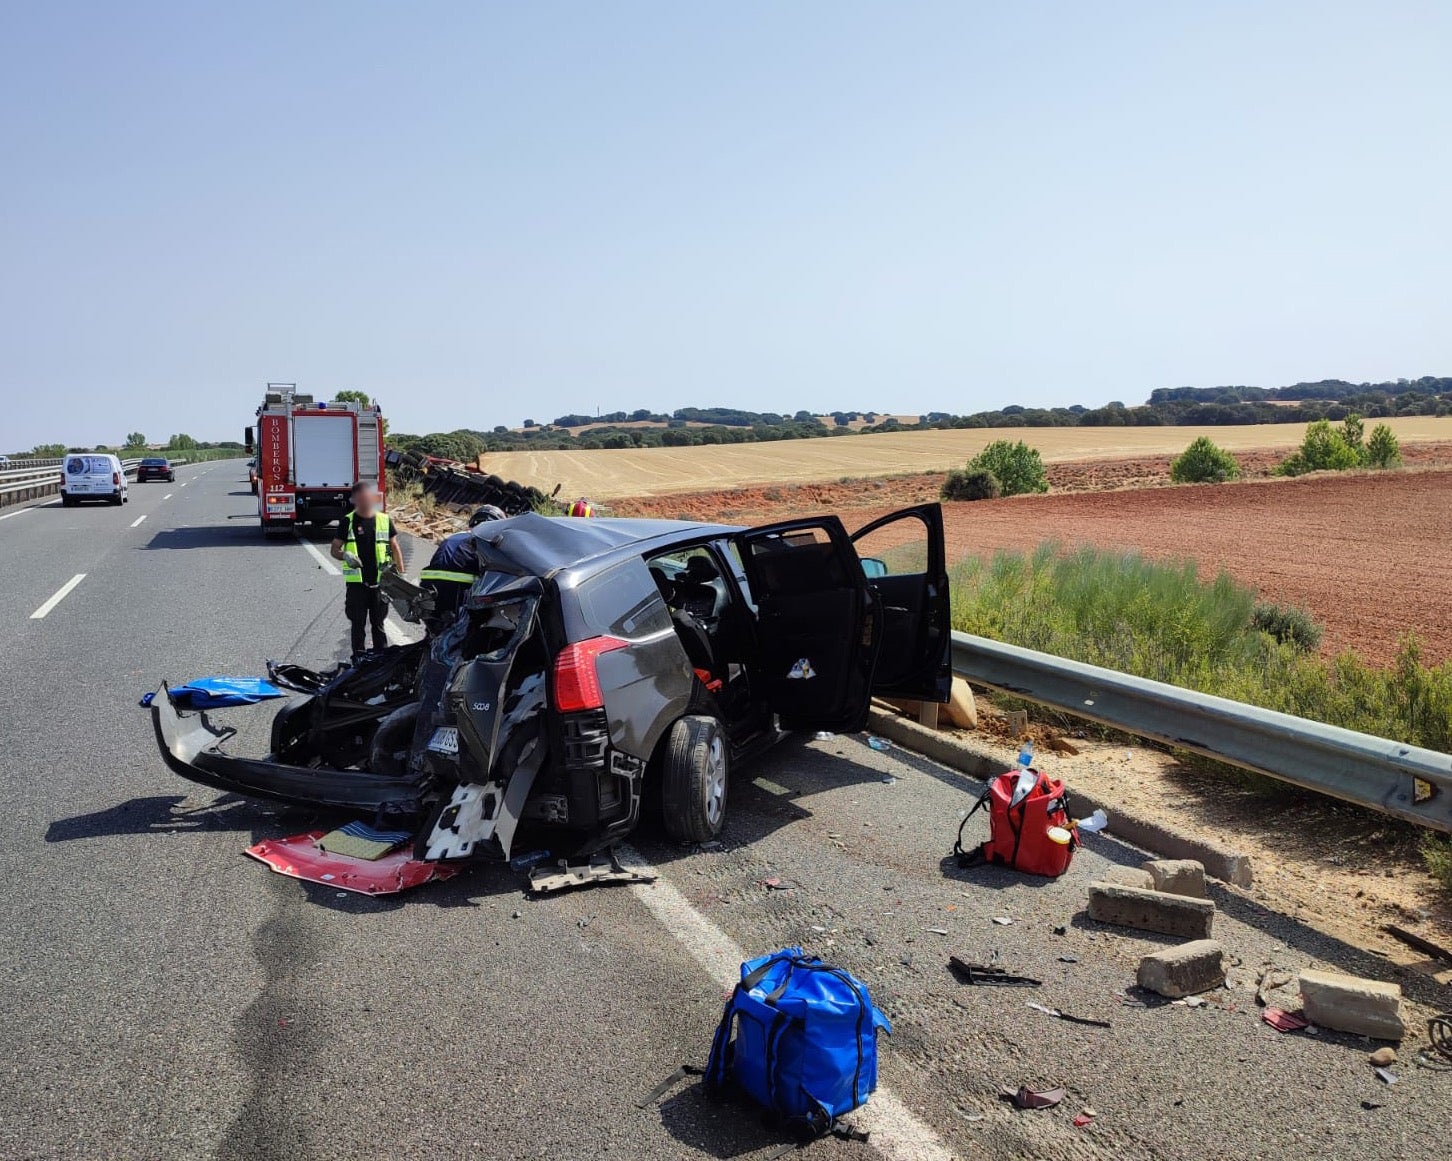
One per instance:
(1163,621)
(966,485)
(1382,449)
(1203,462)
(1323,449)
(1437,855)
(1018,468)
(1353,434)
(1288,625)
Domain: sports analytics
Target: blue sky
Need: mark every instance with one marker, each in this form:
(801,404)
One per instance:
(482,212)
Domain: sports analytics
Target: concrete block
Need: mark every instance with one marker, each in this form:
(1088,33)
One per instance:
(1151,910)
(1130,877)
(1178,876)
(1181,971)
(1351,1004)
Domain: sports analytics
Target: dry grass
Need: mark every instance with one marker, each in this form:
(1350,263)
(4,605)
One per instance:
(658,471)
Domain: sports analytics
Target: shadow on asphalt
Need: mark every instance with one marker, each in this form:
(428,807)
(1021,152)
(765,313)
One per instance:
(723,1126)
(157,814)
(216,536)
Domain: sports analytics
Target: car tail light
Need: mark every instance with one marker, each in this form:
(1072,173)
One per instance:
(116,478)
(577,685)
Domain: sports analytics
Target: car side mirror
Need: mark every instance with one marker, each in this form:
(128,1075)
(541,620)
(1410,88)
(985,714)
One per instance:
(873,569)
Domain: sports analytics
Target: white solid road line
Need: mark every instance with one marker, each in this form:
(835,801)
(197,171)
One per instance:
(32,508)
(327,562)
(138,520)
(897,1132)
(392,630)
(59,596)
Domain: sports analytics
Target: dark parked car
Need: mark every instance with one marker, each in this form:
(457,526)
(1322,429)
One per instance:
(602,667)
(155,468)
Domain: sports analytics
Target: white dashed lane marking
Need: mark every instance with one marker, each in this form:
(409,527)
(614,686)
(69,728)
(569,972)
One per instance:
(138,520)
(60,595)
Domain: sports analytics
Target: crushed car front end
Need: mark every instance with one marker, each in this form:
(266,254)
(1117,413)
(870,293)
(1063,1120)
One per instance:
(526,722)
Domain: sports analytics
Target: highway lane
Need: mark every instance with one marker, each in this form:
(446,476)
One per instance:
(162,996)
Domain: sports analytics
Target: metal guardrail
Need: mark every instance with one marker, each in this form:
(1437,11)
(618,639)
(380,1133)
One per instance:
(29,482)
(1401,780)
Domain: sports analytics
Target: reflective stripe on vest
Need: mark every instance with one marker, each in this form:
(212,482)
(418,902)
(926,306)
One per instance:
(443,574)
(381,530)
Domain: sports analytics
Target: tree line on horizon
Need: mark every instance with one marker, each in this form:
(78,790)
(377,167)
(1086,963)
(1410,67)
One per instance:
(1330,399)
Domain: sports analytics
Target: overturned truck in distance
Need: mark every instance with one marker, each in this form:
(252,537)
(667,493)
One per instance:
(598,668)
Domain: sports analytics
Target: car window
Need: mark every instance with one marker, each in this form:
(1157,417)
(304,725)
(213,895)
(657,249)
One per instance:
(803,560)
(87,465)
(623,601)
(896,549)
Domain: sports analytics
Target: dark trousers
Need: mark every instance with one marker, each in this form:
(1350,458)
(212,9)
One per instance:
(364,604)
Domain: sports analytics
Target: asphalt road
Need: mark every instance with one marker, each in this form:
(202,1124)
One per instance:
(162,996)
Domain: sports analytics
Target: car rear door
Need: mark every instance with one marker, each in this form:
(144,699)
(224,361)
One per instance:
(818,622)
(903,557)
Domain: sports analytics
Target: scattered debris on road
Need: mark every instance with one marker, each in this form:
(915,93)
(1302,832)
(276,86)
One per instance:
(550,879)
(988,974)
(1058,1015)
(1352,1004)
(1417,942)
(1179,915)
(1026,1098)
(1185,970)
(301,857)
(1283,1021)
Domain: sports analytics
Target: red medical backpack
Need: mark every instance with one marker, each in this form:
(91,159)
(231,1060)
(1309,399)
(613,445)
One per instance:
(1018,836)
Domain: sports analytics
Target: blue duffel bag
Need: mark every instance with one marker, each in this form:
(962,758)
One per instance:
(798,1036)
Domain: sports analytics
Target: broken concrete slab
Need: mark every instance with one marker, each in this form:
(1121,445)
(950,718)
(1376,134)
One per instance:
(1352,1004)
(1123,906)
(1130,877)
(1185,970)
(1178,876)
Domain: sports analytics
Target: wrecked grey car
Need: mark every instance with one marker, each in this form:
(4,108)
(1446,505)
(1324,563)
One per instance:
(599,668)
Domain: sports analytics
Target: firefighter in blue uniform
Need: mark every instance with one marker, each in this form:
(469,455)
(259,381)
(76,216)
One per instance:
(454,567)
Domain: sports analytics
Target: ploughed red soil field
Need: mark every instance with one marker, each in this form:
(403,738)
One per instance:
(1368,553)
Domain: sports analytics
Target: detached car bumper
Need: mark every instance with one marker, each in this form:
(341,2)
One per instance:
(192,747)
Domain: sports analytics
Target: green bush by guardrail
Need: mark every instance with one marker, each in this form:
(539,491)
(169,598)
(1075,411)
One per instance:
(1165,621)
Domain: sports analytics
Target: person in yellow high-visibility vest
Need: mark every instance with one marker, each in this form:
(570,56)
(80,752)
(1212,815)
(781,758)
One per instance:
(366,542)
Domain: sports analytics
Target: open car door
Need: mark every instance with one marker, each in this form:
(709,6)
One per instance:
(903,559)
(817,630)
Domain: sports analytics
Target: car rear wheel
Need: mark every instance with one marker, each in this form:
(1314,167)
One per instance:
(693,780)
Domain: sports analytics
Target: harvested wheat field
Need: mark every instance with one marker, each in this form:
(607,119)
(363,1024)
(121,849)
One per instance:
(605,475)
(1369,553)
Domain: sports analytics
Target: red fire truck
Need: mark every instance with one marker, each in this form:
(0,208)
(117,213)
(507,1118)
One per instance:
(310,454)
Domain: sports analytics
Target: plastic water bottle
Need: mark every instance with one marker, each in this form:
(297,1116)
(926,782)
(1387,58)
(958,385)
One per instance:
(1026,777)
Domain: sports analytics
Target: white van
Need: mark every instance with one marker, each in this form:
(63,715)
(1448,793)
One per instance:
(93,476)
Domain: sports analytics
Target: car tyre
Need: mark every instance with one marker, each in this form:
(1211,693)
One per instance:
(694,778)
